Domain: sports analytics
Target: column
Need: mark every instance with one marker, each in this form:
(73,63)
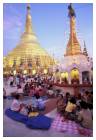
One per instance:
(60,80)
(69,78)
(80,77)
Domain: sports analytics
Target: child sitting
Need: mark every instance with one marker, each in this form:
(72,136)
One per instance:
(70,109)
(85,116)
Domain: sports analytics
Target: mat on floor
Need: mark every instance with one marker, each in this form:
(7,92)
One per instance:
(69,126)
(35,122)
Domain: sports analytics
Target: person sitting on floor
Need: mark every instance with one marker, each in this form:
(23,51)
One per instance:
(70,109)
(40,104)
(19,106)
(16,105)
(85,116)
(66,98)
(60,104)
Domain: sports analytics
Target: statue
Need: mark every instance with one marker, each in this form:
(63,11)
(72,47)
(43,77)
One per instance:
(71,11)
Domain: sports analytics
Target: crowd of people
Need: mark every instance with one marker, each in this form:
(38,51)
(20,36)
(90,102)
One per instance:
(77,107)
(30,85)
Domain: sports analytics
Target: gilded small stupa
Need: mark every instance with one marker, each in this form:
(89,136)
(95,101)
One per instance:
(28,54)
(85,50)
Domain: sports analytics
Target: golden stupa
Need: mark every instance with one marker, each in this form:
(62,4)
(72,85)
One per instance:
(28,54)
(73,46)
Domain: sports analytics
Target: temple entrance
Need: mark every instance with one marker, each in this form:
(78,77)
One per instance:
(85,77)
(74,76)
(64,77)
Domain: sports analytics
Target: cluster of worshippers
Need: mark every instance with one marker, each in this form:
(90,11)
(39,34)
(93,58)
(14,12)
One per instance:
(77,107)
(31,85)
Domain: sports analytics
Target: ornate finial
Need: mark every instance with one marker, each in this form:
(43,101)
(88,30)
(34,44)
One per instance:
(28,27)
(71,11)
(28,7)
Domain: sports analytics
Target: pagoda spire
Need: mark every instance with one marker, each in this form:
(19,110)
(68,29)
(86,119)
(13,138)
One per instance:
(28,53)
(28,26)
(85,50)
(73,46)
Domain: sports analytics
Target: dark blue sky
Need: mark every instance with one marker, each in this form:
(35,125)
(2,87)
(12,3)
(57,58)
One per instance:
(50,23)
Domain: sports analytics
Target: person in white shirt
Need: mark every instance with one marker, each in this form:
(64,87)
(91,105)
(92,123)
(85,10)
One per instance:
(15,106)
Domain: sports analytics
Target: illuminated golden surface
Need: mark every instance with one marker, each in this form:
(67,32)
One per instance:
(33,72)
(14,72)
(64,75)
(25,71)
(73,46)
(28,53)
(45,71)
(75,74)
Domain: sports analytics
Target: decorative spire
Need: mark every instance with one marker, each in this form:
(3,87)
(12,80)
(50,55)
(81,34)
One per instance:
(28,7)
(28,28)
(71,11)
(85,50)
(73,46)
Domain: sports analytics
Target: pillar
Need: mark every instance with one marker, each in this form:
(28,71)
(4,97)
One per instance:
(60,80)
(80,77)
(69,78)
